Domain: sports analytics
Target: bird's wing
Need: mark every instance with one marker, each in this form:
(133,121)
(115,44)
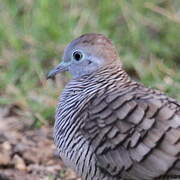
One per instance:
(137,134)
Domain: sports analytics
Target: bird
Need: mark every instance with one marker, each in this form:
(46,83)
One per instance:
(107,125)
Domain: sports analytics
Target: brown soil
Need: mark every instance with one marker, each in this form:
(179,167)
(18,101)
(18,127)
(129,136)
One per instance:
(27,153)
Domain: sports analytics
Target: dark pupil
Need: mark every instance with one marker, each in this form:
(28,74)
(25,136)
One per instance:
(77,56)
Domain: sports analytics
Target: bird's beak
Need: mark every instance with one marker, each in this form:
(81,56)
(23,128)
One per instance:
(59,68)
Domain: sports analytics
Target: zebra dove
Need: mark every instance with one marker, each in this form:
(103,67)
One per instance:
(109,127)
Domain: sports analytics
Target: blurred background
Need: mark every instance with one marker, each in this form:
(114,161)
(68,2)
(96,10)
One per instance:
(34,33)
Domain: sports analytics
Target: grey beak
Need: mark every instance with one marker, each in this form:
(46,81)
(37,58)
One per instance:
(59,68)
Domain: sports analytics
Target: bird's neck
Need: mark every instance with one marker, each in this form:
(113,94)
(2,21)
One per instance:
(80,91)
(107,78)
(112,72)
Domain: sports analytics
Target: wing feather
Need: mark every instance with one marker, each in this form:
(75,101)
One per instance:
(134,134)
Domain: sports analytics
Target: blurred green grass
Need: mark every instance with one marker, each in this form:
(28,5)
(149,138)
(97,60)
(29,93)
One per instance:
(33,35)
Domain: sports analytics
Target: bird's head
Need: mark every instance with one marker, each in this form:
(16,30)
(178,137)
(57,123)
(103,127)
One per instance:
(85,55)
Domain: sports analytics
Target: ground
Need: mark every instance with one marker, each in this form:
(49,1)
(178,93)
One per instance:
(27,153)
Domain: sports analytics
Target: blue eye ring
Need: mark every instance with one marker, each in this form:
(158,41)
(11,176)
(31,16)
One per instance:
(77,55)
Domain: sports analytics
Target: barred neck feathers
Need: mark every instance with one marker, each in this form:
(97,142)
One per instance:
(82,89)
(111,72)
(79,91)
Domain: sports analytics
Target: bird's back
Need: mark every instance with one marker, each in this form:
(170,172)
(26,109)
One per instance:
(135,133)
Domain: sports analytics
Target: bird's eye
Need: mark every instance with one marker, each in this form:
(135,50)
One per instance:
(77,55)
